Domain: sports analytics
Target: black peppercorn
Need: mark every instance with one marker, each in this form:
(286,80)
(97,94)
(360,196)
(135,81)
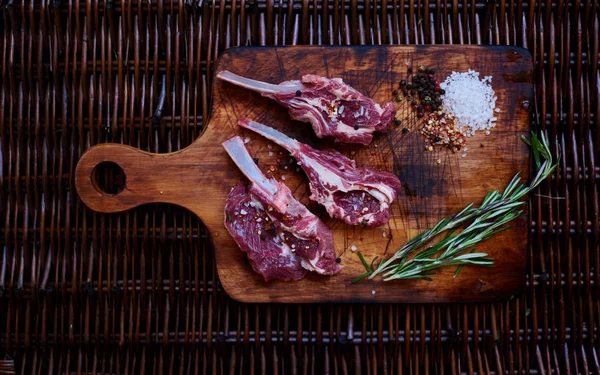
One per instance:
(338,260)
(397,122)
(403,83)
(405,92)
(298,93)
(414,102)
(409,86)
(395,92)
(255,160)
(420,108)
(442,91)
(404,130)
(410,70)
(355,127)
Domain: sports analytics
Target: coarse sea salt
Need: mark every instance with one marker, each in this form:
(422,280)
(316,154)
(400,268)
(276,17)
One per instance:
(353,248)
(471,100)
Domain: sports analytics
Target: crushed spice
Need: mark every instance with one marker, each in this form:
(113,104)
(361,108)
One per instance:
(441,128)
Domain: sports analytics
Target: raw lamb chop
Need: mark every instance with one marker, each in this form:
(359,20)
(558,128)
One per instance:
(354,195)
(267,254)
(331,106)
(279,234)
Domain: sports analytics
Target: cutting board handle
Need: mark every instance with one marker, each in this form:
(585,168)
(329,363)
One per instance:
(145,179)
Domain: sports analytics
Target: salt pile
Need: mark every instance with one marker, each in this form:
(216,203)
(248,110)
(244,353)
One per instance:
(471,100)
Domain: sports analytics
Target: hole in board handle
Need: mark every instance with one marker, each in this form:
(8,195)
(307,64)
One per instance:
(108,178)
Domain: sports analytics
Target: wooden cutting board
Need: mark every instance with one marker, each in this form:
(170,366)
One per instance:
(435,184)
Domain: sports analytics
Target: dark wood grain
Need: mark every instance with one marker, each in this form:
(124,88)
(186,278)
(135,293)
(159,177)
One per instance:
(200,176)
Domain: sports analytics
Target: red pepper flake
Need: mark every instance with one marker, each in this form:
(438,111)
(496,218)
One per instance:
(441,128)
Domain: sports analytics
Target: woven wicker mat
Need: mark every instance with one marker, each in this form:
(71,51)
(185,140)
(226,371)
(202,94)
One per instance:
(138,292)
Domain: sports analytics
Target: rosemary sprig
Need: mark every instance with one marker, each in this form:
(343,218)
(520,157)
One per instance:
(491,217)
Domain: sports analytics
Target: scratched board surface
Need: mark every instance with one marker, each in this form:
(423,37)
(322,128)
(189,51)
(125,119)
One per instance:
(434,184)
